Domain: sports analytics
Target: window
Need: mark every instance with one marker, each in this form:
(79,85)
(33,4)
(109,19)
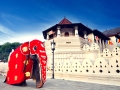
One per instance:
(116,61)
(66,34)
(108,71)
(87,70)
(68,42)
(117,66)
(100,71)
(117,71)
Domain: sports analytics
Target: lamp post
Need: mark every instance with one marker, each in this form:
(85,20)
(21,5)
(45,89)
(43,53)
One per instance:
(53,48)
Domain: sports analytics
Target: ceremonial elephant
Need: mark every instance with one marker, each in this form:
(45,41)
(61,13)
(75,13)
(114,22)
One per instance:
(28,61)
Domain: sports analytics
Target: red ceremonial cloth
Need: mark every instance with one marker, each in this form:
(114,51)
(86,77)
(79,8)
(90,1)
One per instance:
(17,61)
(16,64)
(41,53)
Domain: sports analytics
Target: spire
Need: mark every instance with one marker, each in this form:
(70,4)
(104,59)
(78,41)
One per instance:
(65,21)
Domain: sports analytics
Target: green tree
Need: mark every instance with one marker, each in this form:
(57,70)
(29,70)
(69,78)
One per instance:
(6,48)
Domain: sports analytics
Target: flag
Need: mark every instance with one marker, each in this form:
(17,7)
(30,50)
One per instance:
(110,42)
(51,32)
(96,37)
(106,41)
(118,40)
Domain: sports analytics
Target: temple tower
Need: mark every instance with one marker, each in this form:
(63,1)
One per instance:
(70,39)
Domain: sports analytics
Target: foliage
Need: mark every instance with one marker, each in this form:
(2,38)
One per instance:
(6,48)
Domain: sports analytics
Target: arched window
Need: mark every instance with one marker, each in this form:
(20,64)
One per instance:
(51,36)
(66,34)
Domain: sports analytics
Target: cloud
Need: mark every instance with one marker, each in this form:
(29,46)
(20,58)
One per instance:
(7,35)
(21,38)
(12,20)
(13,17)
(6,31)
(27,37)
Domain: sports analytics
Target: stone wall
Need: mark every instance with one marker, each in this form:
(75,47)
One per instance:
(88,65)
(90,61)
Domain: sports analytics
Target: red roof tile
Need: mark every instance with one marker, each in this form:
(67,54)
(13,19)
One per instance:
(65,21)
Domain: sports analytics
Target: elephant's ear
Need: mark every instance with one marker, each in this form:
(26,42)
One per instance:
(36,46)
(24,48)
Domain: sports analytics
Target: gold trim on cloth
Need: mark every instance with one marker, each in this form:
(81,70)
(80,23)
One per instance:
(15,78)
(27,74)
(24,49)
(8,78)
(16,66)
(16,55)
(26,62)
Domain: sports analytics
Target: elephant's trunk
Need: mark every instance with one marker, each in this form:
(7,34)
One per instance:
(36,72)
(41,83)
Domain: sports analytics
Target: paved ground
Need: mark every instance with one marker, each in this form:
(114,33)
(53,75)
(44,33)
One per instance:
(56,84)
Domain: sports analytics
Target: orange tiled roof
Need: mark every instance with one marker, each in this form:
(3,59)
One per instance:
(65,21)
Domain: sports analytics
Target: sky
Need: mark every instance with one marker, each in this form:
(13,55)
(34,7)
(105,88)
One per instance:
(24,20)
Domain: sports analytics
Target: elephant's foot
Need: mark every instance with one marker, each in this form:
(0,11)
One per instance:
(21,84)
(24,84)
(40,85)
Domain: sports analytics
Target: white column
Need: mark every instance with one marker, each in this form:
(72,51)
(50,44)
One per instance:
(58,32)
(94,38)
(103,43)
(100,44)
(85,36)
(97,42)
(47,36)
(76,31)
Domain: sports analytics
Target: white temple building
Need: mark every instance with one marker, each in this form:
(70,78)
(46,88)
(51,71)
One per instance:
(80,49)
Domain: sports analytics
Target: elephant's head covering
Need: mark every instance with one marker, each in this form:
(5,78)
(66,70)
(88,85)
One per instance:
(37,47)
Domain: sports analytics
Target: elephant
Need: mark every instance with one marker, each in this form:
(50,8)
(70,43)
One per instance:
(28,61)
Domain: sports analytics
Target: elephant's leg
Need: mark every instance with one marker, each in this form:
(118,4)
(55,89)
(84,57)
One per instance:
(40,82)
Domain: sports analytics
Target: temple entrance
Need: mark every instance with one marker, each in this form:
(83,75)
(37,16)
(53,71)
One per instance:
(66,34)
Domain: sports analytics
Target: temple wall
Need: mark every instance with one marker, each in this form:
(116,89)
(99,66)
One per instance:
(89,60)
(89,65)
